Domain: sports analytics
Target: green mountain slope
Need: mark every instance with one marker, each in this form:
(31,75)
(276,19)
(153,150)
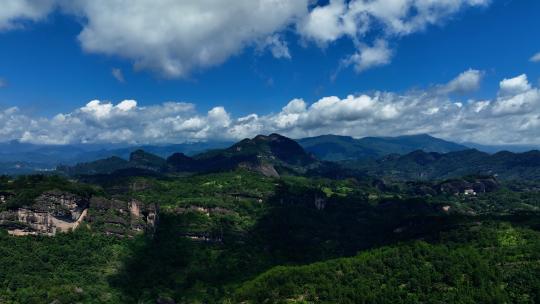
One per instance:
(426,166)
(498,265)
(334,147)
(268,155)
(220,236)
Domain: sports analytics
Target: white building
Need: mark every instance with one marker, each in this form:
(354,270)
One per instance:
(469,192)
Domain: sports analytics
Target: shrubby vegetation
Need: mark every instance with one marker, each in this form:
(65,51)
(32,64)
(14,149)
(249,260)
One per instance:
(26,188)
(239,236)
(498,265)
(68,268)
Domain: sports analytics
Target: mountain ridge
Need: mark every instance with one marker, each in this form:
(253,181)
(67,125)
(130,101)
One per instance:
(274,154)
(336,147)
(265,154)
(432,165)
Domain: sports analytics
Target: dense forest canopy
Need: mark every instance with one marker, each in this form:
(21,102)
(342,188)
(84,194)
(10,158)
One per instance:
(267,230)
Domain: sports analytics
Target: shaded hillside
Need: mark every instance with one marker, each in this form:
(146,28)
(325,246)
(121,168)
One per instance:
(334,147)
(424,165)
(272,151)
(274,155)
(268,155)
(23,158)
(498,265)
(139,159)
(102,166)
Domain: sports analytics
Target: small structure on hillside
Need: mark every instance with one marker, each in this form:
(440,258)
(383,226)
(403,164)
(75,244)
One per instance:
(4,196)
(469,191)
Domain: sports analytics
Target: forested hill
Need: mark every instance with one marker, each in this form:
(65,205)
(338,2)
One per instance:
(497,265)
(335,148)
(19,158)
(275,155)
(431,165)
(268,155)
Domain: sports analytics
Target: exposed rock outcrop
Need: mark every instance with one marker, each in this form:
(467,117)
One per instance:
(263,168)
(56,211)
(479,185)
(122,218)
(204,210)
(51,212)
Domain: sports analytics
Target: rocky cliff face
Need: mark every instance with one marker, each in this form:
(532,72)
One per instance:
(265,169)
(55,211)
(479,185)
(50,213)
(122,218)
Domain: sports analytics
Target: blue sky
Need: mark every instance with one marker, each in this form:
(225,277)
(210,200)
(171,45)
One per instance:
(48,69)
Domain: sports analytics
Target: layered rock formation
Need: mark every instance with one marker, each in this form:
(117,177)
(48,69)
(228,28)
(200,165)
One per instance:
(121,218)
(51,212)
(56,211)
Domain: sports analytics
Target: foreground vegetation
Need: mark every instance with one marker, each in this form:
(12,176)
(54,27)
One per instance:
(241,237)
(69,268)
(495,264)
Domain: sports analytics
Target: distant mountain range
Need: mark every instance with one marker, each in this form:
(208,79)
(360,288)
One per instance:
(421,165)
(336,148)
(22,158)
(281,152)
(274,155)
(268,155)
(500,148)
(71,154)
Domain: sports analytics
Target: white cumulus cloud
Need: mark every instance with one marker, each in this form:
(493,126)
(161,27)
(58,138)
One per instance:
(465,82)
(516,95)
(13,13)
(370,56)
(512,116)
(515,85)
(175,38)
(383,19)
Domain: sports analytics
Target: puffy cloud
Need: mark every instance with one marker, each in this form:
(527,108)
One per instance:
(105,110)
(327,23)
(382,19)
(514,85)
(100,121)
(535,57)
(516,96)
(368,57)
(15,12)
(219,117)
(175,38)
(511,116)
(118,75)
(295,106)
(465,82)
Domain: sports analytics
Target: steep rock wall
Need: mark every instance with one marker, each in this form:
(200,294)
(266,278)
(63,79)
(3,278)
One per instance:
(51,212)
